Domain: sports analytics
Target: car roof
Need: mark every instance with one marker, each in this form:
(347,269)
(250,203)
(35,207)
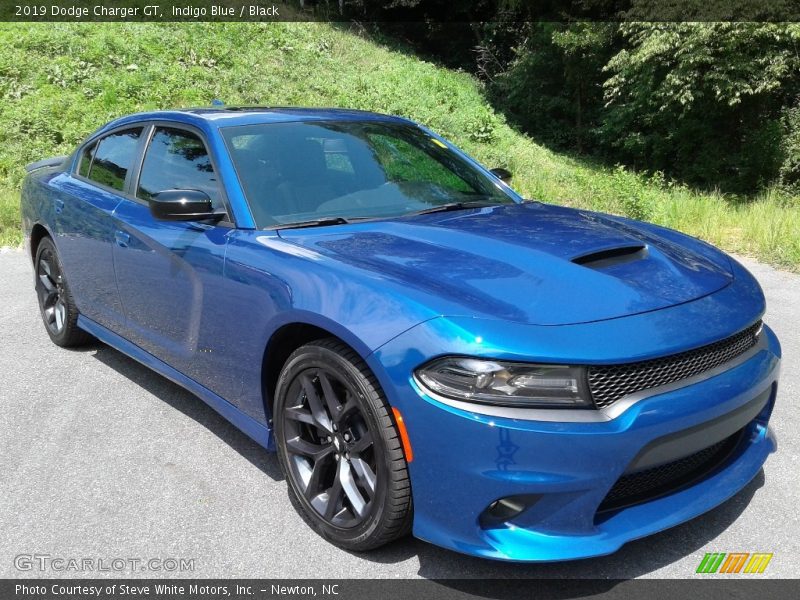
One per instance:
(228,116)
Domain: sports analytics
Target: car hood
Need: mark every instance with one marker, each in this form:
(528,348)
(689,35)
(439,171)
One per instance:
(530,263)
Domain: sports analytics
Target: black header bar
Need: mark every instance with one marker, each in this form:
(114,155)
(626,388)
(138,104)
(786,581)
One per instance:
(431,11)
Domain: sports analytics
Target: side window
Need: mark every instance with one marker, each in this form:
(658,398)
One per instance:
(86,160)
(113,158)
(177,159)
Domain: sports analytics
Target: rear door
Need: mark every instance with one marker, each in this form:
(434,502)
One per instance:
(84,225)
(170,273)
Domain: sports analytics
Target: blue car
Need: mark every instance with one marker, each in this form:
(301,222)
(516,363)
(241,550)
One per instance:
(426,351)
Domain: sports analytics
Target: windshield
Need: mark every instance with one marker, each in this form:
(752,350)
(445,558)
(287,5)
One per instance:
(307,171)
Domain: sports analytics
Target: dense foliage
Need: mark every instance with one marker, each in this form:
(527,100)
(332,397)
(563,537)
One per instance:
(711,104)
(704,101)
(714,105)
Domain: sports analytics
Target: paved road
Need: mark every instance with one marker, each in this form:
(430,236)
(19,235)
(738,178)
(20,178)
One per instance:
(101,458)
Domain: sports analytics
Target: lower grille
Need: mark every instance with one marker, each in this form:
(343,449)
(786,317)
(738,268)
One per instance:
(609,383)
(635,488)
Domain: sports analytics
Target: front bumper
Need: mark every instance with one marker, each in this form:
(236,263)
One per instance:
(464,461)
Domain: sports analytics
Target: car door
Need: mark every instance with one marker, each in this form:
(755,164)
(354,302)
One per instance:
(170,273)
(84,228)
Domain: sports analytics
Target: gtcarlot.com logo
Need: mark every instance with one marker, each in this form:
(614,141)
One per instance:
(734,562)
(47,562)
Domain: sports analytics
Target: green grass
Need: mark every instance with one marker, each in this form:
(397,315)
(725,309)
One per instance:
(59,81)
(10,233)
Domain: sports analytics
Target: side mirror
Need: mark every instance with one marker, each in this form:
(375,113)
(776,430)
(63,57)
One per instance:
(502,174)
(182,205)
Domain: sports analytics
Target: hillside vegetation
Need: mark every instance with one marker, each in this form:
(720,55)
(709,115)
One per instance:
(60,81)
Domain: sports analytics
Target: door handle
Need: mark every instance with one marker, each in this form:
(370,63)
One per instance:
(122,239)
(58,204)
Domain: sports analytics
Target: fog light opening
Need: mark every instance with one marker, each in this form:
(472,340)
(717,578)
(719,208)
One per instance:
(503,511)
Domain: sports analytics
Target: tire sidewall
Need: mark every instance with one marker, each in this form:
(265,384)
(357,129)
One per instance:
(58,338)
(309,357)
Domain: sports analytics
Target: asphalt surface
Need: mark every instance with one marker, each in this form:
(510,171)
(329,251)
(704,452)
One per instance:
(101,458)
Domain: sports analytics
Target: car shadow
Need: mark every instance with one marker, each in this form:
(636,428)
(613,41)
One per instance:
(449,568)
(190,405)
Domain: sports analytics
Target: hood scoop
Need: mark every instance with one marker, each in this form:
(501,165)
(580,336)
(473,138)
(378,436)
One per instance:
(610,257)
(535,264)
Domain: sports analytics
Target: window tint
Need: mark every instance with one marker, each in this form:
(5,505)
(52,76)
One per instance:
(114,158)
(86,160)
(336,156)
(401,161)
(177,159)
(294,172)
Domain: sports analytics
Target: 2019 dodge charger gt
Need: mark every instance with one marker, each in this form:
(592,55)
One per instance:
(424,350)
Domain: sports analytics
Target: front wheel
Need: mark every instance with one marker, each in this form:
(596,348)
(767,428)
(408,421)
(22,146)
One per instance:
(339,448)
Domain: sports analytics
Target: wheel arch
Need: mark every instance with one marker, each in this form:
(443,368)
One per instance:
(287,338)
(38,233)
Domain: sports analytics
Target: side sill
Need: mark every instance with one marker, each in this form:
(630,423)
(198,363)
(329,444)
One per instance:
(258,432)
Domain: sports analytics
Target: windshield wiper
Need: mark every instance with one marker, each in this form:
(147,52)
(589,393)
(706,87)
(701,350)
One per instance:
(314,223)
(454,206)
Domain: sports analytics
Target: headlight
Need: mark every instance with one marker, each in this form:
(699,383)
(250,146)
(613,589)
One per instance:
(506,383)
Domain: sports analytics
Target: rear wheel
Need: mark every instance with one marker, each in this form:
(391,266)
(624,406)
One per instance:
(339,448)
(55,301)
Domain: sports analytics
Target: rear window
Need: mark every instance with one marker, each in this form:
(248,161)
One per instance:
(112,159)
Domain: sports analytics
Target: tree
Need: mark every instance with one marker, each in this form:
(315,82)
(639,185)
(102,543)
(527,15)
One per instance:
(553,85)
(702,101)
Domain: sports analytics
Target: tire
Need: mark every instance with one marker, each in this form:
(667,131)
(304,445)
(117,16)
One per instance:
(56,305)
(339,448)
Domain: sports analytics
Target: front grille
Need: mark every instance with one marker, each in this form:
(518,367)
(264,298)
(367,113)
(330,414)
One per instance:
(609,383)
(635,488)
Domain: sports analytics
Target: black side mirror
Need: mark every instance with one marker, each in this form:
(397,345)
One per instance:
(182,205)
(502,174)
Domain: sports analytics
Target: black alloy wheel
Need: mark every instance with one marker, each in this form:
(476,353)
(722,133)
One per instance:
(55,301)
(339,448)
